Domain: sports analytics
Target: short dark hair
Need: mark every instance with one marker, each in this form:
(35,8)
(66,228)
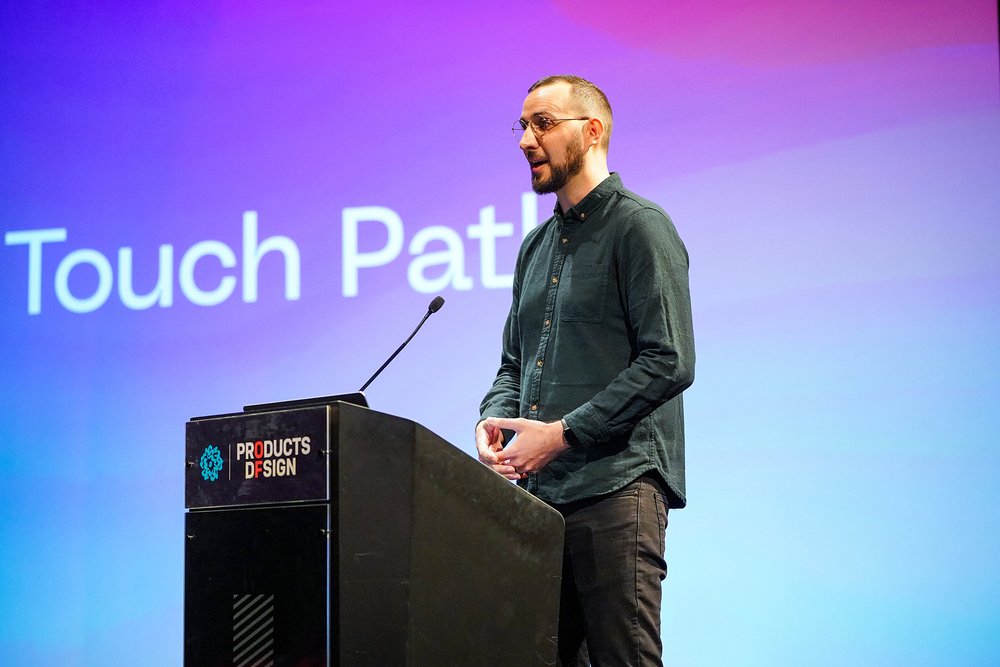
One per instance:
(589,97)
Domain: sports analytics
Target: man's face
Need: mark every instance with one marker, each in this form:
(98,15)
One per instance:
(556,156)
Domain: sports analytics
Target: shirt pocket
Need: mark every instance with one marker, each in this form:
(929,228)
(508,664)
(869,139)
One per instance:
(585,298)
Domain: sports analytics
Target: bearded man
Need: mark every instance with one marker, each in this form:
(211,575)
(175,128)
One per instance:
(586,410)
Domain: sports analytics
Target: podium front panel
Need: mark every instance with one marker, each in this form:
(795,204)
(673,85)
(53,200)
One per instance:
(256,587)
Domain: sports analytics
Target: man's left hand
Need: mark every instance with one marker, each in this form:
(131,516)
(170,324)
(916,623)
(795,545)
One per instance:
(537,444)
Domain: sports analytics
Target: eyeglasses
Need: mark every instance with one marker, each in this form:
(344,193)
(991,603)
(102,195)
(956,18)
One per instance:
(539,125)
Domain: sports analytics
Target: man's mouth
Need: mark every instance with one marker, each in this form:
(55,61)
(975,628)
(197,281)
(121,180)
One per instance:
(536,164)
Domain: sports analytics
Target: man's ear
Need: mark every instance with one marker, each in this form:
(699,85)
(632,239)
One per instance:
(595,131)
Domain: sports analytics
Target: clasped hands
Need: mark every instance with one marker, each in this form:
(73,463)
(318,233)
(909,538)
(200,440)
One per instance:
(537,444)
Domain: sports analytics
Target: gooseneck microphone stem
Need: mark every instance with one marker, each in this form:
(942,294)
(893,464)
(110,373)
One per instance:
(434,306)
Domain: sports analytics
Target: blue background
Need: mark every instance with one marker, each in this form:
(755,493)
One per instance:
(832,167)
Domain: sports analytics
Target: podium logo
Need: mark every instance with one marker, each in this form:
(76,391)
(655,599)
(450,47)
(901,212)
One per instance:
(273,457)
(211,463)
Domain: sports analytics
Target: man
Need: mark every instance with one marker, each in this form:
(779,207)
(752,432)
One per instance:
(597,349)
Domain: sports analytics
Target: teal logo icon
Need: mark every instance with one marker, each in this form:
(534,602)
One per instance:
(211,463)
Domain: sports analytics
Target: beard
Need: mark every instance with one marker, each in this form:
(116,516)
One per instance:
(560,174)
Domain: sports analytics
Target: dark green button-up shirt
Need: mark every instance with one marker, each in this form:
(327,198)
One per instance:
(599,333)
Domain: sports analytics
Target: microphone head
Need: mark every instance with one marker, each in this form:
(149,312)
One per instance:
(435,304)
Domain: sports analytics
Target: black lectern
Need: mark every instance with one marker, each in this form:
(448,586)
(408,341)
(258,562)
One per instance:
(332,534)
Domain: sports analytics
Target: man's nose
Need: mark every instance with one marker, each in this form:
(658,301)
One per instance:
(528,139)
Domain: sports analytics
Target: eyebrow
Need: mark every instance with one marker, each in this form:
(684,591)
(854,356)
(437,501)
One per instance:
(538,113)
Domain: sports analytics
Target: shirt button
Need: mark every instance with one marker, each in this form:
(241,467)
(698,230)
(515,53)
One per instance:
(534,408)
(555,279)
(565,240)
(539,363)
(583,216)
(548,322)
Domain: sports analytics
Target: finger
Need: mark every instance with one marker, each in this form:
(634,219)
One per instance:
(510,472)
(488,455)
(516,463)
(505,423)
(484,431)
(519,468)
(497,436)
(486,446)
(486,451)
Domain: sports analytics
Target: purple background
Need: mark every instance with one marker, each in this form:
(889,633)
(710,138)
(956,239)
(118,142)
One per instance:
(832,167)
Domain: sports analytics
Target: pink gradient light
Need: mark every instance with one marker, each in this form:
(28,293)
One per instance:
(786,32)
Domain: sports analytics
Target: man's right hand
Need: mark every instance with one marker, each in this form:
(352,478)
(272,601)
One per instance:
(489,444)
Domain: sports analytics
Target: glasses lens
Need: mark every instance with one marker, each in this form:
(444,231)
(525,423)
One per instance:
(520,126)
(540,124)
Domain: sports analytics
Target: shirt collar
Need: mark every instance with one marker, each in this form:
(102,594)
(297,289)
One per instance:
(592,201)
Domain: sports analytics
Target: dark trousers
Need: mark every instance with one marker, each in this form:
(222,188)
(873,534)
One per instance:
(613,567)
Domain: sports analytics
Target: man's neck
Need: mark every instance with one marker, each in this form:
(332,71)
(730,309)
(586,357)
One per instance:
(580,186)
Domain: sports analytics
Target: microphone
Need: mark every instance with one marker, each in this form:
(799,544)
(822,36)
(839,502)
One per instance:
(433,307)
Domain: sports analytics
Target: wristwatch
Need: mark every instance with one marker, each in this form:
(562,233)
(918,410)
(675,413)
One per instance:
(568,436)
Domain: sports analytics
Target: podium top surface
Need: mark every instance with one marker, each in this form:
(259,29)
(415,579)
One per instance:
(354,398)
